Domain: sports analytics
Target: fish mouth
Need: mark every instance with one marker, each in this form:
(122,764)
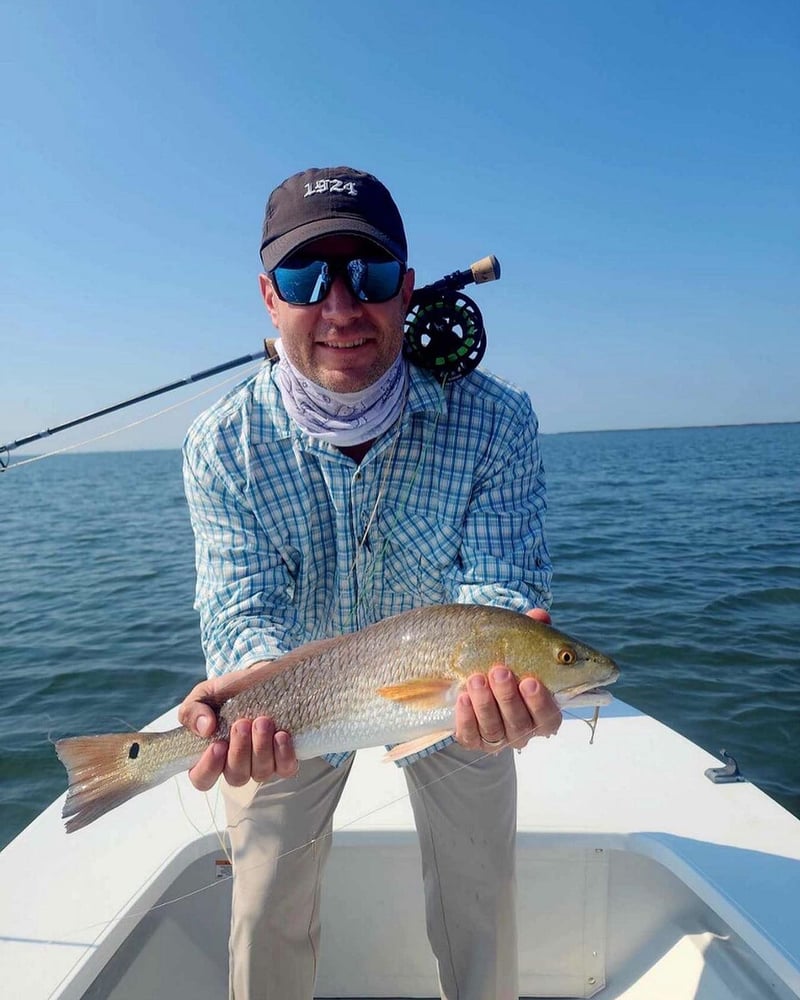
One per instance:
(592,688)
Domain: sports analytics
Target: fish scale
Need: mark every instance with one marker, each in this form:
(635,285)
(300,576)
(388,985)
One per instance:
(394,681)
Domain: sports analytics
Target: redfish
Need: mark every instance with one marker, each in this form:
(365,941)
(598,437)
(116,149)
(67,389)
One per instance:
(394,682)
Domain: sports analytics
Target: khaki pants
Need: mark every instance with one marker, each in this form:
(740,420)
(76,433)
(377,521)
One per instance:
(466,824)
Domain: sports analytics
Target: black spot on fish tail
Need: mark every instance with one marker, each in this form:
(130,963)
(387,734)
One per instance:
(133,753)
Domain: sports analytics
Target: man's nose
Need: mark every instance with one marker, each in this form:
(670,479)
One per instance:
(340,305)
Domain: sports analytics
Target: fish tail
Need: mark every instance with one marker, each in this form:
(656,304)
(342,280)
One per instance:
(105,771)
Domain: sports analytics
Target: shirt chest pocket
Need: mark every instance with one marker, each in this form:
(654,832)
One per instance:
(420,557)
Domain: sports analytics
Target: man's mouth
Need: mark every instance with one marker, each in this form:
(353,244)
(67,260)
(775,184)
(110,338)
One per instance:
(344,344)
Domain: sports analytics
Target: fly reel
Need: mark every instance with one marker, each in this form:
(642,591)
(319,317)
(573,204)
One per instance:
(444,331)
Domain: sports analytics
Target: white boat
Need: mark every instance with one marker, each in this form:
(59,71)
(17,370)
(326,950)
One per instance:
(638,878)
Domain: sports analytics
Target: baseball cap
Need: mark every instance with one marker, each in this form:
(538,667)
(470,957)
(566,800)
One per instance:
(327,200)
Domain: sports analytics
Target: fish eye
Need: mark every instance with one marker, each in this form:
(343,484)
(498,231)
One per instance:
(566,656)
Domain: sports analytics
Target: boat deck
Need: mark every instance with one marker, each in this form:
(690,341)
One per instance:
(643,882)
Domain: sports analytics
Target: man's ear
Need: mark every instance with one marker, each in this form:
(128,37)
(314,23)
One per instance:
(270,297)
(407,288)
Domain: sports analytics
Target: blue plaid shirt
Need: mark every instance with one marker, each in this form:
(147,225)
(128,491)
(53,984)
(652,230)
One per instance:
(295,542)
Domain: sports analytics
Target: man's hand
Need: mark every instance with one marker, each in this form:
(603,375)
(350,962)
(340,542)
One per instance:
(255,749)
(494,714)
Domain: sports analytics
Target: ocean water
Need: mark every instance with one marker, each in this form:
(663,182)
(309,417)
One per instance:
(677,551)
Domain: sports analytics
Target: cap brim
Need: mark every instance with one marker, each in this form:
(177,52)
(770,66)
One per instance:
(275,251)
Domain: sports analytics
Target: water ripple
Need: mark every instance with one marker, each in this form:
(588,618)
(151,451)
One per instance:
(676,551)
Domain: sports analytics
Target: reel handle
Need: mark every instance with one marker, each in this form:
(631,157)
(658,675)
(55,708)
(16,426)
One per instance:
(483,270)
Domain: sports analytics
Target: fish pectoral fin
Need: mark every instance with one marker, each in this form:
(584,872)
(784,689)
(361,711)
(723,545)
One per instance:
(416,746)
(422,693)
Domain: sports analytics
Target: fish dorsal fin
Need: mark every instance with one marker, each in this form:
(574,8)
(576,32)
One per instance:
(422,692)
(416,746)
(232,684)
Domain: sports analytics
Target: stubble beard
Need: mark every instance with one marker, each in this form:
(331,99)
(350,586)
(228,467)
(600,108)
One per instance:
(355,379)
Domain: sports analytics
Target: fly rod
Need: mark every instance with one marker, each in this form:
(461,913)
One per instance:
(5,449)
(443,333)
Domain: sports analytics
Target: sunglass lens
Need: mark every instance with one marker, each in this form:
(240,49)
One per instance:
(303,284)
(374,281)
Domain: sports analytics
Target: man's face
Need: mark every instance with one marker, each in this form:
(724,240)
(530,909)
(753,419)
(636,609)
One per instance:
(341,343)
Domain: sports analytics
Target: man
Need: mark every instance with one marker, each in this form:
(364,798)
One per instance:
(336,487)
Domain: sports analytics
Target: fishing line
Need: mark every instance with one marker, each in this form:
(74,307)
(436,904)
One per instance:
(361,542)
(300,847)
(592,724)
(134,423)
(310,843)
(371,570)
(220,833)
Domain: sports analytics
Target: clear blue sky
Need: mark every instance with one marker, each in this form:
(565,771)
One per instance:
(632,163)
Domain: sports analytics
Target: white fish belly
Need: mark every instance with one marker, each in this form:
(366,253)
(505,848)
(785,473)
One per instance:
(383,723)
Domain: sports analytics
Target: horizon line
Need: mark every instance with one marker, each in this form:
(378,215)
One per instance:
(543,433)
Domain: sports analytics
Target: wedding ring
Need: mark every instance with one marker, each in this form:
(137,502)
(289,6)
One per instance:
(492,743)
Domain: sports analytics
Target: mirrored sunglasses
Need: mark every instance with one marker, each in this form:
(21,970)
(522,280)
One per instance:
(304,282)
